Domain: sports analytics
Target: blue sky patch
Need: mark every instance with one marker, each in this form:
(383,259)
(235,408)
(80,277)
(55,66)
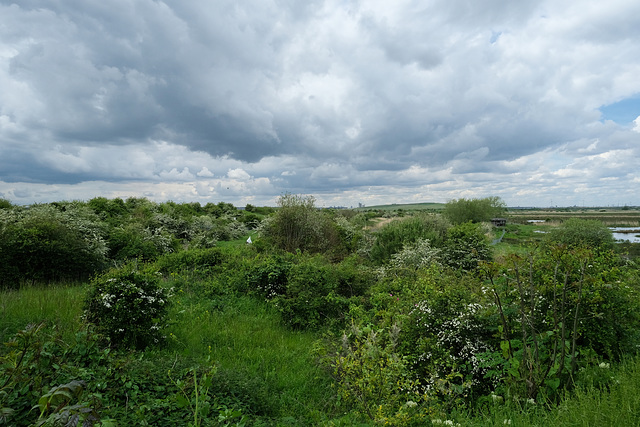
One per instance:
(622,112)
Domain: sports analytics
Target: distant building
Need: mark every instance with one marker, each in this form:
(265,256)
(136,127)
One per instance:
(499,222)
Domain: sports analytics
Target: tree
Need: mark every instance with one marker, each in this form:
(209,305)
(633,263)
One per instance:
(298,225)
(459,211)
(576,232)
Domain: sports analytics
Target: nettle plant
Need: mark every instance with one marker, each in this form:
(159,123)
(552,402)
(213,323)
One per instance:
(128,306)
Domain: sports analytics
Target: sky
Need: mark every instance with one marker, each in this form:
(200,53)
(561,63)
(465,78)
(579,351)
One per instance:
(353,102)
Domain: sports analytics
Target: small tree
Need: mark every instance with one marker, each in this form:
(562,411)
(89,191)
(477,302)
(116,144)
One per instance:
(475,210)
(576,232)
(298,225)
(466,246)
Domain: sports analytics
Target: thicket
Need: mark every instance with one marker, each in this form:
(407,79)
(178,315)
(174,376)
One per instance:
(72,241)
(44,243)
(414,322)
(459,211)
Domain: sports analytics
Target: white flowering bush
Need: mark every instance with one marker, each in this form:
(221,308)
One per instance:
(128,306)
(48,243)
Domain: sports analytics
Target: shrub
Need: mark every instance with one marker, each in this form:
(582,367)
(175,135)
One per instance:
(128,307)
(44,243)
(35,360)
(465,247)
(475,210)
(394,236)
(373,378)
(318,293)
(298,225)
(132,241)
(582,232)
(193,260)
(268,276)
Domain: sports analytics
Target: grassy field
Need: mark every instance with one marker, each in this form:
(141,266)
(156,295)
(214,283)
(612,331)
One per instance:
(245,338)
(610,216)
(273,367)
(404,207)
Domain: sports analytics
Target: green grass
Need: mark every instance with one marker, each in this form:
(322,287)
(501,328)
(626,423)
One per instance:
(586,406)
(246,334)
(405,207)
(58,305)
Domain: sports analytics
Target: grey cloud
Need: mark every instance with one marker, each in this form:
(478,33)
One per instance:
(324,95)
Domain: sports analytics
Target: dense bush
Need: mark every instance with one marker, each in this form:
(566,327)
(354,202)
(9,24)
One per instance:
(393,236)
(525,331)
(316,292)
(475,210)
(269,275)
(44,243)
(133,241)
(193,260)
(466,245)
(128,306)
(298,226)
(582,232)
(39,370)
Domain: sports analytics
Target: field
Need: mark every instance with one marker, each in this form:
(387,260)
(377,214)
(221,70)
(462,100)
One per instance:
(255,336)
(612,217)
(404,207)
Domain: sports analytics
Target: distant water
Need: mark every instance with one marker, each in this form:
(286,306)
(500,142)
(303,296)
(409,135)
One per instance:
(619,234)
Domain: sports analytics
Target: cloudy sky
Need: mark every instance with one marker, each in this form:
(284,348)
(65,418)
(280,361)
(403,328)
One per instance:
(352,101)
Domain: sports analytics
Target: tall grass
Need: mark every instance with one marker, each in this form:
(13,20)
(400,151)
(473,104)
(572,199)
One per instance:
(245,334)
(57,305)
(588,405)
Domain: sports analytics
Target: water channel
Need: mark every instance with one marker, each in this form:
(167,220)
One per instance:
(631,234)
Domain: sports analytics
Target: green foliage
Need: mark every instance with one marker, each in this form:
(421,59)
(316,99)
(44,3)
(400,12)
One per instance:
(5,204)
(44,243)
(128,306)
(269,275)
(111,211)
(317,293)
(582,232)
(459,211)
(133,241)
(556,315)
(413,257)
(298,225)
(193,260)
(465,246)
(373,378)
(56,408)
(34,360)
(391,238)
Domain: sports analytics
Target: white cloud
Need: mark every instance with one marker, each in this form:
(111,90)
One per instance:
(205,173)
(369,101)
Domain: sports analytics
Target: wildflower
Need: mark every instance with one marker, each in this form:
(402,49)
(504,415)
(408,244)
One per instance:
(604,365)
(410,404)
(507,422)
(531,401)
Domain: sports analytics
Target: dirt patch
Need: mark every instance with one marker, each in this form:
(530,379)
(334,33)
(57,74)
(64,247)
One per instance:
(378,223)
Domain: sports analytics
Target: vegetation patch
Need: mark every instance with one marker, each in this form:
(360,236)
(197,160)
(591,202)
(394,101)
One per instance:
(432,318)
